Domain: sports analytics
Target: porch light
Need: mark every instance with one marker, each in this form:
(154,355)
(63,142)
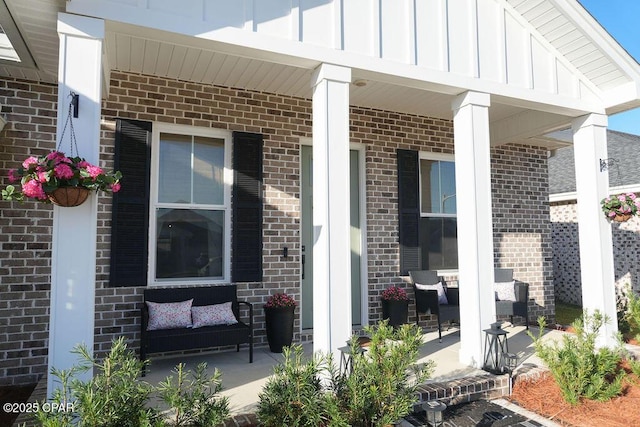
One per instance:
(434,412)
(495,346)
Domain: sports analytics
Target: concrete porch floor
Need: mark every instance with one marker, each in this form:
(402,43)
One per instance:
(242,381)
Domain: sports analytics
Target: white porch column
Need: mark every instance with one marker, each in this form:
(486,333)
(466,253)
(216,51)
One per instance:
(475,229)
(331,249)
(73,264)
(594,231)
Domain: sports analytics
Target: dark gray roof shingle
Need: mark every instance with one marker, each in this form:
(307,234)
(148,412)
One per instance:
(623,148)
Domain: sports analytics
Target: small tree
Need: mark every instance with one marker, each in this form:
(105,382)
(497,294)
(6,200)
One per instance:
(581,370)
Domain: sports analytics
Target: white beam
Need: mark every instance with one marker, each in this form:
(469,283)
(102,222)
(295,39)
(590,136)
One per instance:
(475,230)
(73,262)
(594,231)
(524,125)
(331,248)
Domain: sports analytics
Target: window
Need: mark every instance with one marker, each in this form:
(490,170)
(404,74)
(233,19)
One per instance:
(190,210)
(438,223)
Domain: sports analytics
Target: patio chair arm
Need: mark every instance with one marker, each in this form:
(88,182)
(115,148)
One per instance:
(522,291)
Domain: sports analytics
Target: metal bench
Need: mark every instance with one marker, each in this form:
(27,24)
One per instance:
(165,340)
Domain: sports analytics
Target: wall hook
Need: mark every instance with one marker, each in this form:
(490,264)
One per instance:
(75,102)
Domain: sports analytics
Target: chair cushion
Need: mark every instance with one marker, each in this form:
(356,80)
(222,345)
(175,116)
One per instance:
(505,291)
(442,296)
(169,315)
(212,315)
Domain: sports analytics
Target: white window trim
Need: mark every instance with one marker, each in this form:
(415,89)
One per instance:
(427,155)
(159,128)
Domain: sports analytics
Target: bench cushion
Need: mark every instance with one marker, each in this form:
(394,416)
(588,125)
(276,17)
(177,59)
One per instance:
(212,315)
(169,315)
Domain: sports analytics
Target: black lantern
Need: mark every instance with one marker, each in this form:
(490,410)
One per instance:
(510,363)
(495,346)
(434,412)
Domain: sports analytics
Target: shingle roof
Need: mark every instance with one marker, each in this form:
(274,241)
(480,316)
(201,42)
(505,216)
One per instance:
(623,148)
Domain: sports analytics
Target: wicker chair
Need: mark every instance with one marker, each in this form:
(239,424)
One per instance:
(427,300)
(520,307)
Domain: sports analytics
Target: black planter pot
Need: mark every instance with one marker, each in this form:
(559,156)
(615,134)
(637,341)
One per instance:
(396,311)
(279,322)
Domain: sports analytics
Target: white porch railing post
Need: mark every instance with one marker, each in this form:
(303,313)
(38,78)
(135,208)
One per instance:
(594,231)
(73,258)
(331,249)
(475,230)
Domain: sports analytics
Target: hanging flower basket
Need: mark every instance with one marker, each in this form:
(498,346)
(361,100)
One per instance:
(60,179)
(68,196)
(622,218)
(621,207)
(56,178)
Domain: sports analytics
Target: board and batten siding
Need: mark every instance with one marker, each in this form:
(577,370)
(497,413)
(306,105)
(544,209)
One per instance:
(482,39)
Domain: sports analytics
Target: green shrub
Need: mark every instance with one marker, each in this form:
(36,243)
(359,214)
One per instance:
(633,313)
(295,396)
(381,389)
(581,370)
(192,398)
(115,397)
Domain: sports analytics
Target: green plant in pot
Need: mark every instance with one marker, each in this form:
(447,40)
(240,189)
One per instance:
(279,312)
(395,306)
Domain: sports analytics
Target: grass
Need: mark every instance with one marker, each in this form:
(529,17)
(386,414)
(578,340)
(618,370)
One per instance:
(567,313)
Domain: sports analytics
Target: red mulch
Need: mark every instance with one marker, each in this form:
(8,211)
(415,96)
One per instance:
(542,395)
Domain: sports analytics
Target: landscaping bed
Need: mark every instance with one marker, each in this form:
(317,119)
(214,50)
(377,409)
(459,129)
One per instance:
(542,395)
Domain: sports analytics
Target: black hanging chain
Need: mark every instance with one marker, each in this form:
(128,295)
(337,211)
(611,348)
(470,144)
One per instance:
(72,132)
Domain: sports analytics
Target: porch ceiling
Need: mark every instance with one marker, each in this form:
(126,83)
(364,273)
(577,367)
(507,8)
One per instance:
(136,54)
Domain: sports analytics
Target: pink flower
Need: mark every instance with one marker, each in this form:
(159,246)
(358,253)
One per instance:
(13,177)
(622,197)
(58,157)
(84,164)
(33,189)
(94,171)
(632,196)
(63,171)
(30,161)
(43,176)
(115,187)
(612,214)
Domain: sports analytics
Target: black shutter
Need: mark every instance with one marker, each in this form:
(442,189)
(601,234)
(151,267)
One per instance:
(130,217)
(246,265)
(408,211)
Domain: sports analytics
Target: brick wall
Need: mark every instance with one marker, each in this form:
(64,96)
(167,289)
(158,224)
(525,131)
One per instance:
(25,235)
(518,181)
(566,253)
(521,228)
